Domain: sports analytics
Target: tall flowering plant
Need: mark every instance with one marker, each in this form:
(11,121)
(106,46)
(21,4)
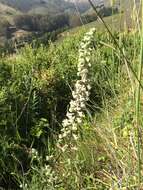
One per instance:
(80,94)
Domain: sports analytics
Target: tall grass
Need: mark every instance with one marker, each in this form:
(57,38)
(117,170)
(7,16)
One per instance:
(138,103)
(137,26)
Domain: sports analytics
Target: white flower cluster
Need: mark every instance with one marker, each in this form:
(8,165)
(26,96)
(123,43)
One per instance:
(80,94)
(77,107)
(49,175)
(34,153)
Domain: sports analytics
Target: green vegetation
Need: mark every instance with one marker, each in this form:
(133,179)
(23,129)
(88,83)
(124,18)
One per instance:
(36,89)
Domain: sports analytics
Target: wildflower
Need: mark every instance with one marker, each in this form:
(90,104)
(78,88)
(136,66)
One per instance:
(74,128)
(63,149)
(77,106)
(48,158)
(74,148)
(75,137)
(80,94)
(88,87)
(60,136)
(34,153)
(23,186)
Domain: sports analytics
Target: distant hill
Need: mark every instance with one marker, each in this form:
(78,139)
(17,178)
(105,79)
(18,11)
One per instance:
(34,9)
(29,5)
(22,5)
(10,8)
(7,12)
(57,6)
(47,6)
(52,7)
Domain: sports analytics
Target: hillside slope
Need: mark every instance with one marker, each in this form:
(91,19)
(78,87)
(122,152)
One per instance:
(7,12)
(62,5)
(27,5)
(104,155)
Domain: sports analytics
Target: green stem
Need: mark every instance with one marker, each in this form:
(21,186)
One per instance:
(138,105)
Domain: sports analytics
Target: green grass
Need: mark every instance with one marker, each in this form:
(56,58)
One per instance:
(117,23)
(35,91)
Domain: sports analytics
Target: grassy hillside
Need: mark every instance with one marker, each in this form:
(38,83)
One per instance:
(44,10)
(117,23)
(71,111)
(35,94)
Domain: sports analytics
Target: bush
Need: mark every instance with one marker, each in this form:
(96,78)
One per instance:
(42,23)
(34,90)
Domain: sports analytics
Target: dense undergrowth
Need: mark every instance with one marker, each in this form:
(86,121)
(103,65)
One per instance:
(35,91)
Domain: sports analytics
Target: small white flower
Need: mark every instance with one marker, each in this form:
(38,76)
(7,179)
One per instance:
(74,128)
(80,114)
(70,115)
(65,134)
(87,38)
(48,158)
(88,87)
(74,148)
(65,123)
(82,105)
(60,136)
(21,186)
(84,71)
(72,120)
(87,59)
(75,137)
(79,120)
(63,149)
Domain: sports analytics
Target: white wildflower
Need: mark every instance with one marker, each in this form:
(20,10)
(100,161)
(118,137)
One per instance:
(87,59)
(75,137)
(63,149)
(74,128)
(81,92)
(79,120)
(60,136)
(88,87)
(77,106)
(48,158)
(80,114)
(34,153)
(74,148)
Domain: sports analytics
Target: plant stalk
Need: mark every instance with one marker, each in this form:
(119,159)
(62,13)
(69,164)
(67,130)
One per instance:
(138,100)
